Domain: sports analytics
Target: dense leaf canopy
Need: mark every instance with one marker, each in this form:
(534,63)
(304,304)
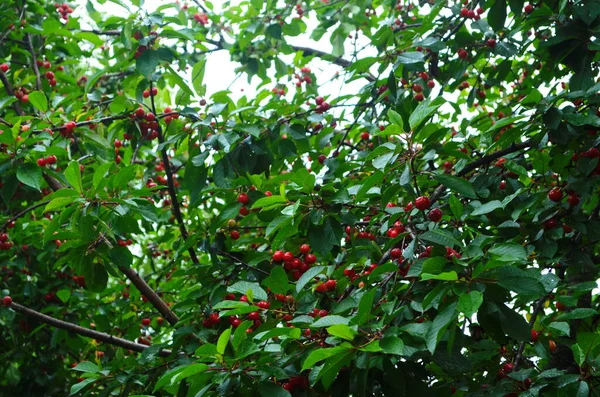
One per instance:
(404,203)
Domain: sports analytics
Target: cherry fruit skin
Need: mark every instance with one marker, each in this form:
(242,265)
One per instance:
(422,203)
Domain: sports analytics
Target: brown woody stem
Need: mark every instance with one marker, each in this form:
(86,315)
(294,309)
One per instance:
(89,333)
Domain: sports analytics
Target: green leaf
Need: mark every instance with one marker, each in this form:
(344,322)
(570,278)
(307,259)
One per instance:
(322,354)
(560,328)
(446,276)
(79,386)
(309,275)
(409,58)
(342,331)
(392,345)
(39,101)
(577,314)
(198,76)
(509,252)
(469,303)
(328,320)
(441,237)
(395,118)
(96,277)
(223,341)
(277,282)
(332,367)
(513,324)
(497,15)
(269,202)
(270,389)
(86,366)
(374,180)
(365,306)
(147,62)
(293,333)
(423,111)
(517,280)
(458,185)
(439,325)
(63,295)
(487,208)
(30,175)
(73,176)
(243,287)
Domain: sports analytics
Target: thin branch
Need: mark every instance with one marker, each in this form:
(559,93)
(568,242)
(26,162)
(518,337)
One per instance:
(52,182)
(536,310)
(89,333)
(20,214)
(87,122)
(38,81)
(150,294)
(171,185)
(9,90)
(227,254)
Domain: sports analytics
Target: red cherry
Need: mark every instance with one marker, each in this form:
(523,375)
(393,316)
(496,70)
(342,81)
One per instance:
(396,253)
(528,9)
(502,185)
(319,100)
(263,305)
(150,116)
(254,316)
(422,203)
(288,256)
(550,224)
(310,259)
(431,84)
(560,306)
(70,126)
(146,321)
(435,214)
(41,162)
(491,43)
(508,367)
(139,113)
(243,198)
(365,136)
(330,285)
(236,322)
(419,97)
(146,94)
(323,313)
(573,200)
(464,12)
(235,235)
(417,88)
(534,335)
(555,194)
(244,211)
(4,67)
(552,346)
(154,91)
(7,301)
(278,256)
(305,249)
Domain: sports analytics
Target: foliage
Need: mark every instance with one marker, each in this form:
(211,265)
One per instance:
(432,233)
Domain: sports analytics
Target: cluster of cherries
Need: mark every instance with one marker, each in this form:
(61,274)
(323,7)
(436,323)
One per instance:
(278,91)
(5,244)
(322,106)
(201,18)
(294,264)
(67,129)
(471,14)
(125,243)
(147,122)
(305,77)
(51,78)
(46,161)
(64,10)
(22,94)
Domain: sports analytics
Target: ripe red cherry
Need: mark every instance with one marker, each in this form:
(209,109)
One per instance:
(349,272)
(146,321)
(431,84)
(319,100)
(528,9)
(243,198)
(310,259)
(263,305)
(118,143)
(552,346)
(550,224)
(288,256)
(555,194)
(278,256)
(396,253)
(254,316)
(323,313)
(462,53)
(154,91)
(365,136)
(502,185)
(419,97)
(149,116)
(236,322)
(560,306)
(4,67)
(330,285)
(508,367)
(41,162)
(70,126)
(146,94)
(573,200)
(139,112)
(464,12)
(305,249)
(435,214)
(534,335)
(422,203)
(417,88)
(491,43)
(7,301)
(235,235)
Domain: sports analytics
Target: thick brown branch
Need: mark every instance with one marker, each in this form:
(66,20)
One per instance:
(20,214)
(89,333)
(150,294)
(171,186)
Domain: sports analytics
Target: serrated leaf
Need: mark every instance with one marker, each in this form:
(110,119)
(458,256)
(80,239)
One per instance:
(30,175)
(458,185)
(39,101)
(392,345)
(73,176)
(470,302)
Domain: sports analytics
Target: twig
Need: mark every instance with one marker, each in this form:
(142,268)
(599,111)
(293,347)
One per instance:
(38,81)
(9,90)
(101,336)
(20,214)
(87,122)
(150,294)
(536,310)
(227,254)
(171,185)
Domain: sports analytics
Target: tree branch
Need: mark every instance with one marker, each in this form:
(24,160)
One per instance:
(536,310)
(101,336)
(330,58)
(20,214)
(171,185)
(38,81)
(9,90)
(150,294)
(87,122)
